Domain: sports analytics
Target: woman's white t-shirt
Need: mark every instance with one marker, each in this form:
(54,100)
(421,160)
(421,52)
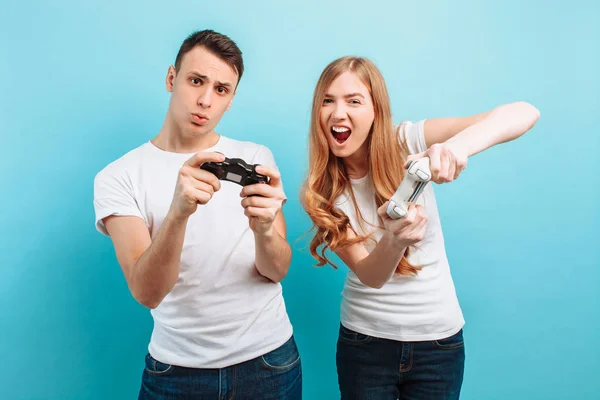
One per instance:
(406,308)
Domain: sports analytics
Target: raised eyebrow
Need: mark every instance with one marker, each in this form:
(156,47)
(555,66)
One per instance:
(226,84)
(347,96)
(206,78)
(199,75)
(354,95)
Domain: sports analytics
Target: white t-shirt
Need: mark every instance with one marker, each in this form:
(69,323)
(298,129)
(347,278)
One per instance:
(221,311)
(406,308)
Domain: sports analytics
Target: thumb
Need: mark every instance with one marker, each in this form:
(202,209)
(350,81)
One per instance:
(413,157)
(381,211)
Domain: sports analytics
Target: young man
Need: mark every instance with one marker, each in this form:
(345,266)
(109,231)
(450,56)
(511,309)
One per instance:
(206,256)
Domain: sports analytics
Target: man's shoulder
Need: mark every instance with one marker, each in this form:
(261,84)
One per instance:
(123,164)
(249,150)
(241,144)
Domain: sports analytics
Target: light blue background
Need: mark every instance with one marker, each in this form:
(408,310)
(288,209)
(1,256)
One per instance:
(83,84)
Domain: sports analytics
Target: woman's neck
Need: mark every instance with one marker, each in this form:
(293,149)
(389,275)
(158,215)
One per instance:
(357,164)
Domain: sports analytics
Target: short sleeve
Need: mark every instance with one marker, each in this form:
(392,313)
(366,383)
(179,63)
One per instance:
(113,195)
(413,135)
(264,156)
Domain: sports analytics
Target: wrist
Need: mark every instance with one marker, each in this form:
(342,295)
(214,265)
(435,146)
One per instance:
(176,218)
(269,233)
(459,146)
(393,241)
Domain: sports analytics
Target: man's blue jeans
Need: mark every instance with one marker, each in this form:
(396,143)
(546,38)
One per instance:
(275,375)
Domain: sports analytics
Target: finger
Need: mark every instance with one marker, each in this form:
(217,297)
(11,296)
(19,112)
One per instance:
(203,187)
(397,225)
(382,211)
(420,211)
(195,195)
(457,172)
(451,167)
(272,173)
(421,223)
(419,232)
(261,189)
(444,166)
(259,202)
(263,214)
(460,169)
(200,175)
(411,214)
(413,157)
(203,156)
(434,162)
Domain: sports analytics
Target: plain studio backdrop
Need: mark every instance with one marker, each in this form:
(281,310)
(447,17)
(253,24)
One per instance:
(84,83)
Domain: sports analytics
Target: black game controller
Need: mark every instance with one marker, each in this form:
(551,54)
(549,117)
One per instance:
(235,170)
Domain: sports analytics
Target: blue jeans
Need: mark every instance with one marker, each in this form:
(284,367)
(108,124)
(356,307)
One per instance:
(371,368)
(275,375)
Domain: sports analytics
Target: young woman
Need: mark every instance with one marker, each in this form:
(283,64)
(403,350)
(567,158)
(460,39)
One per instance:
(401,324)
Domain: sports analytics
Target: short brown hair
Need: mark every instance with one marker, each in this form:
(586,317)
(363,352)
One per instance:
(218,44)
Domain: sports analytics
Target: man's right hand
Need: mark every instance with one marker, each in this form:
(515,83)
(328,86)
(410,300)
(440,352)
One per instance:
(194,185)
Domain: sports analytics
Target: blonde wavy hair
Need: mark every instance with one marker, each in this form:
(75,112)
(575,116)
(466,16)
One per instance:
(327,177)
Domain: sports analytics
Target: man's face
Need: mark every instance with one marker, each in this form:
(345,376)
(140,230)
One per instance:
(202,90)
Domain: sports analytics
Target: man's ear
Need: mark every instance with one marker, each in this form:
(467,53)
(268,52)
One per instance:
(170,80)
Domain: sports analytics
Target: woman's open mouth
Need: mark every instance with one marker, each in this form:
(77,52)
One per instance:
(340,133)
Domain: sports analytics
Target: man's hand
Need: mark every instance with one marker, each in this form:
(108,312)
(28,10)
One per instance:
(194,185)
(263,202)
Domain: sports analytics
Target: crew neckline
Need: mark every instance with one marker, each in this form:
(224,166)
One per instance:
(176,154)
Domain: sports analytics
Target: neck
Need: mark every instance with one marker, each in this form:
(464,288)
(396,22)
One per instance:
(171,138)
(357,164)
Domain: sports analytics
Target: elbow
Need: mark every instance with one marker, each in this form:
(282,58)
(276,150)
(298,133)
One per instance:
(277,275)
(533,114)
(149,303)
(365,276)
(529,115)
(148,299)
(372,283)
(376,285)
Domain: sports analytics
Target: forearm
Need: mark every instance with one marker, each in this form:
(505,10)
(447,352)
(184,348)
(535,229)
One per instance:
(156,271)
(502,124)
(379,266)
(273,255)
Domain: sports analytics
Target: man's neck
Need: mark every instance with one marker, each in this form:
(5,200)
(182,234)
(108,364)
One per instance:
(171,139)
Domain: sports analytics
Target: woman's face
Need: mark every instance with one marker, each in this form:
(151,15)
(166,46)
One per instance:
(347,114)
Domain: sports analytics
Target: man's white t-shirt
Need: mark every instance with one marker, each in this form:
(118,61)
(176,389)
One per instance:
(221,311)
(406,308)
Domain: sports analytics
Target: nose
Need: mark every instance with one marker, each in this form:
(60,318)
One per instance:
(339,112)
(205,98)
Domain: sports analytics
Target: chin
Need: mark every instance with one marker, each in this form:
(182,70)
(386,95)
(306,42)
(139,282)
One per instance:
(340,152)
(196,130)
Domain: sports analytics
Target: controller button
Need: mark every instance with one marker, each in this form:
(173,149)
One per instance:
(423,175)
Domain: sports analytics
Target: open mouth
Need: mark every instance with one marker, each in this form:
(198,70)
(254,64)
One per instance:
(340,133)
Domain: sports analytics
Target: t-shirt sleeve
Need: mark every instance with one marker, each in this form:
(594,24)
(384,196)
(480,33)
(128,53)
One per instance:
(113,195)
(413,135)
(264,156)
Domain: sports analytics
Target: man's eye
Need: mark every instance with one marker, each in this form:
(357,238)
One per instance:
(196,81)
(221,90)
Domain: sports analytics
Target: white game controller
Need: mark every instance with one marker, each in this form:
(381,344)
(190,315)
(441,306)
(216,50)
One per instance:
(417,177)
